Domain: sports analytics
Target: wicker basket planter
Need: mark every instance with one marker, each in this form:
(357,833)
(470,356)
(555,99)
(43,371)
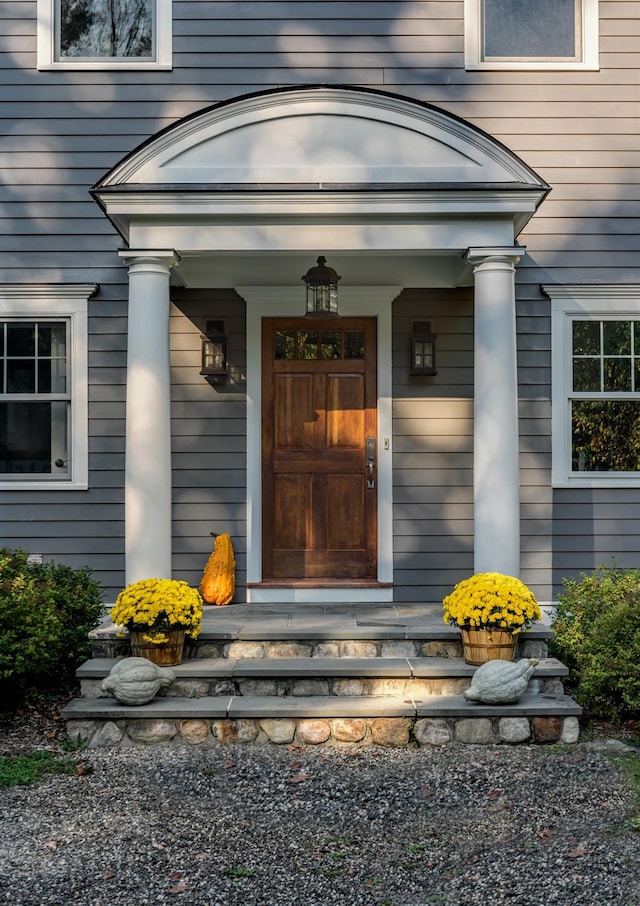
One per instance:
(164,654)
(482,645)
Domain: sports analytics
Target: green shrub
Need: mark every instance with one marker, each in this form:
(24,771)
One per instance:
(46,611)
(597,635)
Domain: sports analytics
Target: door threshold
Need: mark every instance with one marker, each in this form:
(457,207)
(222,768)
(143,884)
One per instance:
(310,591)
(319,583)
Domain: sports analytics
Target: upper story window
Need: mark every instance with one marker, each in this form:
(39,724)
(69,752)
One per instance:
(531,34)
(104,34)
(43,386)
(596,385)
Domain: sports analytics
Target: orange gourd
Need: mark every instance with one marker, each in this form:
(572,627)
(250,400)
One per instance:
(218,583)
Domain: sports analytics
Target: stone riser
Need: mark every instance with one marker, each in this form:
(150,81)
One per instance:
(335,648)
(412,677)
(343,731)
(336,686)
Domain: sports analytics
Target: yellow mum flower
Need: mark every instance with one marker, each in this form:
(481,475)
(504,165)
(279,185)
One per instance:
(157,605)
(491,601)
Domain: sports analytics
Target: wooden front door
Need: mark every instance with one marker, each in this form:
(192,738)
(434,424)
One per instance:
(319,456)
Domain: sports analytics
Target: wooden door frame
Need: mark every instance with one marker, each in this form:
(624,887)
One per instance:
(272,301)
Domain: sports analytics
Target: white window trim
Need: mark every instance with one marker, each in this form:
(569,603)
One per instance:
(70,302)
(593,302)
(47,43)
(473,43)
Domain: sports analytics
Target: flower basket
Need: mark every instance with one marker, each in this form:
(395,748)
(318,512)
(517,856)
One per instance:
(490,610)
(159,613)
(482,645)
(164,654)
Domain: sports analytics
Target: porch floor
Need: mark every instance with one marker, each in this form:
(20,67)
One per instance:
(324,621)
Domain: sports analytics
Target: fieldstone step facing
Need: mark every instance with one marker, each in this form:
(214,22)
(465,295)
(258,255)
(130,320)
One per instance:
(322,674)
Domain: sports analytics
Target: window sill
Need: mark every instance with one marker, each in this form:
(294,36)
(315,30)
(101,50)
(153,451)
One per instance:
(44,486)
(600,482)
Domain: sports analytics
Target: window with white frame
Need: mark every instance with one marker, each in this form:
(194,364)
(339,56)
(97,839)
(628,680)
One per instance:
(531,34)
(43,386)
(595,385)
(104,34)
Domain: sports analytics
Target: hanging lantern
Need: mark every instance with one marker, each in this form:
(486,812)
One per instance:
(322,290)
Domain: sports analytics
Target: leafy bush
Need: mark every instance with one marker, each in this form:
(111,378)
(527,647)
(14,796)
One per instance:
(46,611)
(597,635)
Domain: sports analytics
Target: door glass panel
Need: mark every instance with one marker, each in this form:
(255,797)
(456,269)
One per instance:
(331,344)
(307,344)
(353,344)
(285,344)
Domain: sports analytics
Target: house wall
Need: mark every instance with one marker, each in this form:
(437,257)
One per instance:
(209,431)
(61,131)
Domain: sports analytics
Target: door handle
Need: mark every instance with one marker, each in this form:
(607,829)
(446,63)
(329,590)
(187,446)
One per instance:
(371,462)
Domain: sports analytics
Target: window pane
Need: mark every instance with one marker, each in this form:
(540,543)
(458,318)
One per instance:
(605,436)
(52,339)
(617,375)
(33,436)
(529,28)
(52,376)
(586,375)
(616,337)
(21,376)
(586,337)
(21,339)
(106,28)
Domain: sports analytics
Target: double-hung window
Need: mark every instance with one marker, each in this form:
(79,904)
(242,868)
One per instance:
(43,386)
(596,385)
(531,34)
(104,34)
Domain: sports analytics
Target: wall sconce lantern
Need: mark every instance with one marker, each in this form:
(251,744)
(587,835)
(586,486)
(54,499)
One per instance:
(214,352)
(423,349)
(322,290)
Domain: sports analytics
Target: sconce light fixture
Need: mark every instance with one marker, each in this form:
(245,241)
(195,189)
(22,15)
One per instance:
(422,349)
(322,290)
(214,351)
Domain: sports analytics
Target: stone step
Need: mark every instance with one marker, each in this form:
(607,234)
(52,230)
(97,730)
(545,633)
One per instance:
(330,720)
(320,676)
(327,630)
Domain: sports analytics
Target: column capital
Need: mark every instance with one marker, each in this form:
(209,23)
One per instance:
(510,255)
(167,258)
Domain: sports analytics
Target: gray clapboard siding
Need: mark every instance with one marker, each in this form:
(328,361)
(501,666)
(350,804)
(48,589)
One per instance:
(62,130)
(208,435)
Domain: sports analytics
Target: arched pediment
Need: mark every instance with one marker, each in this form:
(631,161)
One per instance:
(321,136)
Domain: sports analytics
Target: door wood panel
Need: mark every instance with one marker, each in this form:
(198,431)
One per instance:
(319,517)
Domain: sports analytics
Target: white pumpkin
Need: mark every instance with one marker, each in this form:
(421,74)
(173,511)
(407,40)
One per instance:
(136,680)
(501,682)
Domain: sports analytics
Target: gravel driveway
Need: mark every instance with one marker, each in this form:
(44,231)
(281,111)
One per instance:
(238,826)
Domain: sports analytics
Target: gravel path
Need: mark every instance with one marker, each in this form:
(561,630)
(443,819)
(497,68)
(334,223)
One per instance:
(239,826)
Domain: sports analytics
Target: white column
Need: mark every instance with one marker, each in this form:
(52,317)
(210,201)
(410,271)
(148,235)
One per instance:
(148,427)
(496,473)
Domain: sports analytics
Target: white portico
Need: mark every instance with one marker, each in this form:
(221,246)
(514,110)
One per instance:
(245,195)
